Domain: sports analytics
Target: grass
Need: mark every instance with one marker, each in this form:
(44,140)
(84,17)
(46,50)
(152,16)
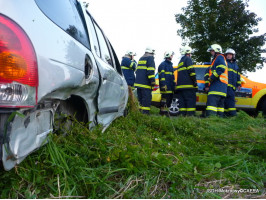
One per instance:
(146,157)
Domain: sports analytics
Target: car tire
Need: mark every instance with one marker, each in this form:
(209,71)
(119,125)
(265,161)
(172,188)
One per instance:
(253,113)
(174,109)
(264,109)
(67,111)
(125,113)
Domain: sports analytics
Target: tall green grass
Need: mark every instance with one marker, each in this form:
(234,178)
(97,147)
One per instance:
(143,156)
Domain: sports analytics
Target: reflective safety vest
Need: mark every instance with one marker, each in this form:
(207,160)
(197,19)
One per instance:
(216,77)
(224,76)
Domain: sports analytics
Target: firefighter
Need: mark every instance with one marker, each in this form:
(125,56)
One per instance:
(234,83)
(216,84)
(166,82)
(128,66)
(186,86)
(145,80)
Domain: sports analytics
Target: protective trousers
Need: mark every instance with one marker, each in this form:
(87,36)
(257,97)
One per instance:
(144,97)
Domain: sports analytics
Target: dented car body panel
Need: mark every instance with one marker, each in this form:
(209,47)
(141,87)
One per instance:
(73,77)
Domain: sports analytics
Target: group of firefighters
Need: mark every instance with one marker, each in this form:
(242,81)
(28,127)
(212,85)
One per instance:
(222,78)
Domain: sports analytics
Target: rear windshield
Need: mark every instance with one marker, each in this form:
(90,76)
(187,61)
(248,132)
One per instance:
(66,14)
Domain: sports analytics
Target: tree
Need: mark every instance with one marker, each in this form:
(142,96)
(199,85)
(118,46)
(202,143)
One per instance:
(225,22)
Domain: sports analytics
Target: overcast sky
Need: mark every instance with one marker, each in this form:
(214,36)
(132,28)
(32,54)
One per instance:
(133,25)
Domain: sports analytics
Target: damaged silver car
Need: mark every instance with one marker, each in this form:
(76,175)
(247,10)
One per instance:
(54,58)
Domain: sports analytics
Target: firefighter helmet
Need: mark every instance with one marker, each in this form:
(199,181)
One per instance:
(231,51)
(168,54)
(131,53)
(150,50)
(185,50)
(215,47)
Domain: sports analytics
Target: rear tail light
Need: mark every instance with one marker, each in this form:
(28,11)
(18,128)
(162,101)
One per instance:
(18,66)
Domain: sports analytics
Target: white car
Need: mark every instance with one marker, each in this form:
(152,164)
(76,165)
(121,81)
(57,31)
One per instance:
(54,58)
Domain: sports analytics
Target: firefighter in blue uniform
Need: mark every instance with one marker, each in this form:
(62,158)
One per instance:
(166,82)
(145,80)
(234,83)
(216,82)
(128,66)
(186,86)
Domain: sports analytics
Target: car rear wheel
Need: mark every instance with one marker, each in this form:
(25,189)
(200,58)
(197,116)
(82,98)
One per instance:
(264,109)
(67,111)
(174,109)
(252,113)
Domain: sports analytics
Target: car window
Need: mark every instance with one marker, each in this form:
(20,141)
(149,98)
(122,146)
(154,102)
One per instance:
(105,54)
(64,13)
(93,36)
(116,61)
(200,72)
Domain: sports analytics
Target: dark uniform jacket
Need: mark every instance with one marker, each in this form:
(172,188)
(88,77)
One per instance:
(166,77)
(186,77)
(128,67)
(145,72)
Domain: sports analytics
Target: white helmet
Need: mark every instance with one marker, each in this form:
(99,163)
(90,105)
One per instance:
(131,53)
(185,50)
(215,47)
(231,51)
(168,54)
(150,50)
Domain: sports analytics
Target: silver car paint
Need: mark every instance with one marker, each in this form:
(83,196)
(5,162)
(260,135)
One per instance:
(61,61)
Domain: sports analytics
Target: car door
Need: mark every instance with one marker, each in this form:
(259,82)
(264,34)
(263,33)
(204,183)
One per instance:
(111,95)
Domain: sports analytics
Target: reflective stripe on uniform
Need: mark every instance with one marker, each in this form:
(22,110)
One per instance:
(215,74)
(192,74)
(181,69)
(124,67)
(142,86)
(131,65)
(221,66)
(141,67)
(142,62)
(207,74)
(224,80)
(151,76)
(229,109)
(230,85)
(166,92)
(151,68)
(170,73)
(232,70)
(191,109)
(163,71)
(220,109)
(212,108)
(180,64)
(184,86)
(162,79)
(145,108)
(190,67)
(183,109)
(217,93)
